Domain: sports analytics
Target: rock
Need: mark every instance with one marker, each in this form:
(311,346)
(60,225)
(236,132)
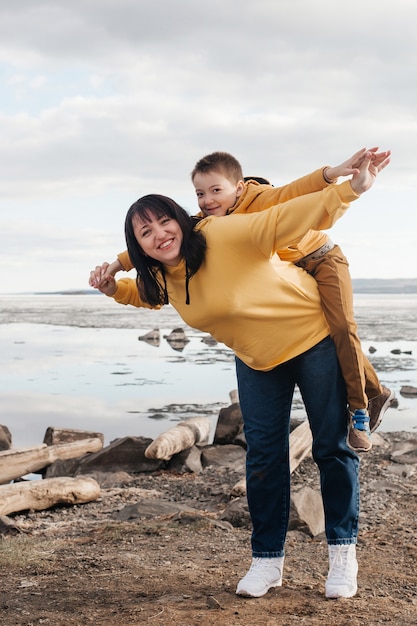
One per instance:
(405,452)
(177,339)
(186,461)
(408,391)
(122,455)
(148,509)
(237,513)
(5,438)
(8,526)
(153,337)
(230,456)
(378,440)
(212,603)
(405,471)
(306,512)
(229,424)
(209,340)
(109,480)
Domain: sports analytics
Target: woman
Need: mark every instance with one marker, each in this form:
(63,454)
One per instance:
(219,276)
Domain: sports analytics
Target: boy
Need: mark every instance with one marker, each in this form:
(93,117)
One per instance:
(221,190)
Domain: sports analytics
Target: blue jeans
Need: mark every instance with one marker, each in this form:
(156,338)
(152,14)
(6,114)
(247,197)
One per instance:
(265,400)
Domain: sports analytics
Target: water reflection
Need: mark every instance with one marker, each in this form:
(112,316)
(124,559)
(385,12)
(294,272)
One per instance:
(84,362)
(103,380)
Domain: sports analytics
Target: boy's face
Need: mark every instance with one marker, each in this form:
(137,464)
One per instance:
(216,193)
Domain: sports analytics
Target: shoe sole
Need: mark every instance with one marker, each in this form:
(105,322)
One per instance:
(336,594)
(384,408)
(246,594)
(358,449)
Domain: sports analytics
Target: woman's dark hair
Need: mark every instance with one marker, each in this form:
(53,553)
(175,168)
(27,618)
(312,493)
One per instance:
(149,270)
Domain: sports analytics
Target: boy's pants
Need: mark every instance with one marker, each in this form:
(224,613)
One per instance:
(331,272)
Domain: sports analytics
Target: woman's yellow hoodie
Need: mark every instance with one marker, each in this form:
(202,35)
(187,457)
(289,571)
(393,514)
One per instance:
(266,310)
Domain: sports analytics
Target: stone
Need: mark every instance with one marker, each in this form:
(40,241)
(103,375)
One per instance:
(177,339)
(408,391)
(237,513)
(230,456)
(229,424)
(186,461)
(306,511)
(153,337)
(148,509)
(405,452)
(5,438)
(122,455)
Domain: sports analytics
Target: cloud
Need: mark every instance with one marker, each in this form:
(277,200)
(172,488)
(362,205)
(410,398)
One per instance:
(103,101)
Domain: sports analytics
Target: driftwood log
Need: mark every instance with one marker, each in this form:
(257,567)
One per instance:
(15,463)
(55,435)
(43,494)
(300,447)
(182,436)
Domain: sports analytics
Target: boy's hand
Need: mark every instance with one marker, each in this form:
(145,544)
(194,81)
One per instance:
(348,167)
(369,169)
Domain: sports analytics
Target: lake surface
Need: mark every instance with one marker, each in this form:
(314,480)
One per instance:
(77,362)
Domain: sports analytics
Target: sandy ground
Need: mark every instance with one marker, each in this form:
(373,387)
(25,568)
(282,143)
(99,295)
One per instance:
(79,565)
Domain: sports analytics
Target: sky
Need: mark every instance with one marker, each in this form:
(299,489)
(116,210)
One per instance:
(103,101)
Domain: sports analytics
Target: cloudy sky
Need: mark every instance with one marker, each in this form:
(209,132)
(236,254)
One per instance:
(102,101)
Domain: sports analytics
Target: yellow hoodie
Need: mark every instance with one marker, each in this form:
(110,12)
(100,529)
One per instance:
(266,312)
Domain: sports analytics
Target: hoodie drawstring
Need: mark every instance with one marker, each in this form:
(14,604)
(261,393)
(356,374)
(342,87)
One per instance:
(187,280)
(166,299)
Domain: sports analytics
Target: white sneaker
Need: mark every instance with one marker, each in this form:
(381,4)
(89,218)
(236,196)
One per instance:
(263,574)
(341,581)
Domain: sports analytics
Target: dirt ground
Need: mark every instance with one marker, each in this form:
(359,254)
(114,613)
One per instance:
(79,565)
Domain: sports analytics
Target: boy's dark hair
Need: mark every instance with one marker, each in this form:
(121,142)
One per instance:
(258,179)
(193,247)
(222,162)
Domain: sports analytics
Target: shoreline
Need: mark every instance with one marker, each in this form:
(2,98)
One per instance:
(77,362)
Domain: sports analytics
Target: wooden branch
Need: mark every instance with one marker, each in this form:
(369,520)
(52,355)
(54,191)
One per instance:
(300,447)
(43,494)
(182,436)
(15,463)
(55,435)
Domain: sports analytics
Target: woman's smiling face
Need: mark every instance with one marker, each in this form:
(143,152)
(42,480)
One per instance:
(159,237)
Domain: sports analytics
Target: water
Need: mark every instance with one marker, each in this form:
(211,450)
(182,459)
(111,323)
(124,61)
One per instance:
(76,362)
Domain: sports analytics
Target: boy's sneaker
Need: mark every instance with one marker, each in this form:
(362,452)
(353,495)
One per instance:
(359,435)
(263,574)
(377,407)
(343,569)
